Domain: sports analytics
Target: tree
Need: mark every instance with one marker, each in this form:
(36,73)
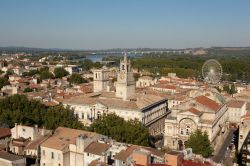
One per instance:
(76,79)
(30,73)
(46,75)
(4,81)
(226,88)
(233,89)
(18,109)
(60,72)
(9,72)
(200,144)
(27,90)
(87,64)
(114,126)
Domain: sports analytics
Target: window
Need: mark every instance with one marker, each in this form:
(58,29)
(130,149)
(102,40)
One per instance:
(187,130)
(98,115)
(182,132)
(43,152)
(24,130)
(52,155)
(59,156)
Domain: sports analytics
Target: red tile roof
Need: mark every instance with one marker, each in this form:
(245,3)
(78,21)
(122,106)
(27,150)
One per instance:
(96,148)
(194,111)
(195,163)
(235,104)
(208,103)
(5,132)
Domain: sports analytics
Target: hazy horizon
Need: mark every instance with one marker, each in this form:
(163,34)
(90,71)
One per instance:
(111,24)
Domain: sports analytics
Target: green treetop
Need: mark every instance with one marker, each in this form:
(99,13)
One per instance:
(200,144)
(60,72)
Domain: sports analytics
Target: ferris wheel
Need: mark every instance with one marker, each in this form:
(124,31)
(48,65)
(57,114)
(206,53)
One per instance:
(212,71)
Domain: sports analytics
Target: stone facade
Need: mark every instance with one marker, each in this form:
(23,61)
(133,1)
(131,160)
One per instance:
(198,113)
(125,85)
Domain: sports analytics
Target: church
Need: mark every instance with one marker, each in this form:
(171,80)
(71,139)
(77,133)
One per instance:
(124,101)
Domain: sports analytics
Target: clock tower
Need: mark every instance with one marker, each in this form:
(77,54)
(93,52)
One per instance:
(125,85)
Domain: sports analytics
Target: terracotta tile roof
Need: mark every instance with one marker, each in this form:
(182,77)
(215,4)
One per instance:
(154,151)
(208,103)
(165,86)
(124,154)
(35,143)
(63,136)
(10,157)
(235,104)
(50,103)
(5,132)
(97,163)
(96,148)
(195,163)
(193,110)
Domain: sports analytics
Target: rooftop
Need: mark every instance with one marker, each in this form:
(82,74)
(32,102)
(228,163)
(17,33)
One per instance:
(235,104)
(63,136)
(5,132)
(97,148)
(108,99)
(10,157)
(208,103)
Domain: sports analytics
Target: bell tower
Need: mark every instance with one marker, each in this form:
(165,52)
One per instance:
(125,85)
(100,79)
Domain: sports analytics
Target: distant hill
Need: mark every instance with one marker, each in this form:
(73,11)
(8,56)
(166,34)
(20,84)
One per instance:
(30,49)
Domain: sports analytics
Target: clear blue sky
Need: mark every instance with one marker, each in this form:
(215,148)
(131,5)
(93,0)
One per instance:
(98,24)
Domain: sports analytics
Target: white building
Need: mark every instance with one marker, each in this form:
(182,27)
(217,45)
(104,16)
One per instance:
(28,132)
(236,109)
(151,110)
(71,69)
(18,70)
(66,147)
(145,81)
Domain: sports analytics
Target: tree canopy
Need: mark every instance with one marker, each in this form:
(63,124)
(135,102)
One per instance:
(60,72)
(200,144)
(27,90)
(4,81)
(131,131)
(76,79)
(18,109)
(88,64)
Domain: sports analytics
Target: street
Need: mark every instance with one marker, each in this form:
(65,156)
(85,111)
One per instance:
(221,154)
